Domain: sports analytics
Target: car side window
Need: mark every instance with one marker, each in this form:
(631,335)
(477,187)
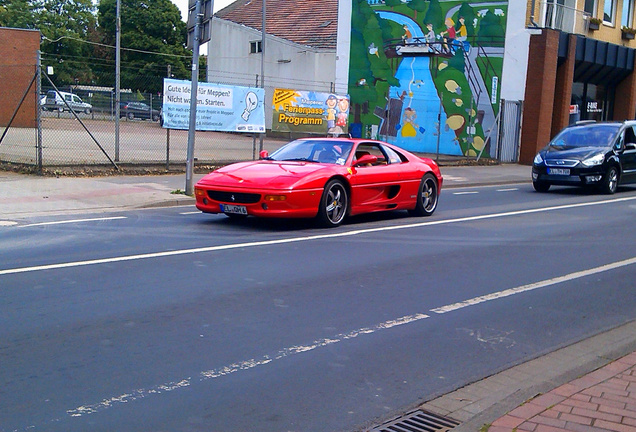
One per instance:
(370,149)
(393,156)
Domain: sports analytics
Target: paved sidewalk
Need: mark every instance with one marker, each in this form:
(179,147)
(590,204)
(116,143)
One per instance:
(588,386)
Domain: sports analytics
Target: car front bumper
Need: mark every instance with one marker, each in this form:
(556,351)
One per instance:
(576,176)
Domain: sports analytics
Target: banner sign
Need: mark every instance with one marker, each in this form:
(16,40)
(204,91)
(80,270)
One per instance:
(310,112)
(219,107)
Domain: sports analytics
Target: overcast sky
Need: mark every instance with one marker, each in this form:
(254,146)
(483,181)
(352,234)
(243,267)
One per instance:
(183,6)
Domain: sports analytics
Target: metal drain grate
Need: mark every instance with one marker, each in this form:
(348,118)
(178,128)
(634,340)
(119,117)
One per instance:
(418,421)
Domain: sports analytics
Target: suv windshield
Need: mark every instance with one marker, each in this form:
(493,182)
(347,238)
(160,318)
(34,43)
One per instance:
(594,135)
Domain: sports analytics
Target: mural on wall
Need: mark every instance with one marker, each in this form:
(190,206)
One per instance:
(424,74)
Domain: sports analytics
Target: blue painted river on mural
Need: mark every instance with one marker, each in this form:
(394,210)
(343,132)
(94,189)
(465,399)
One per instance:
(420,102)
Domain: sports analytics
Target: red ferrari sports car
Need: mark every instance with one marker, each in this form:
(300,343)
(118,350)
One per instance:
(325,178)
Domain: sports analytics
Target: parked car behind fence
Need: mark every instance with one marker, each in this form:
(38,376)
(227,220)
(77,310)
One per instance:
(140,110)
(54,102)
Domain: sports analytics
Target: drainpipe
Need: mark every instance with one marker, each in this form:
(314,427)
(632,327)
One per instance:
(532,16)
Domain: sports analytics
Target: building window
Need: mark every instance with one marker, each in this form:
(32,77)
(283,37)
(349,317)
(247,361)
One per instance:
(256,47)
(609,11)
(627,17)
(590,7)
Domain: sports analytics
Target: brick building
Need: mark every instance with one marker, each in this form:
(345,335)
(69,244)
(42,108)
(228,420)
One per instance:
(18,57)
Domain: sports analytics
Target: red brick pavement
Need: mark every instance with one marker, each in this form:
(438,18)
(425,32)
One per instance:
(601,401)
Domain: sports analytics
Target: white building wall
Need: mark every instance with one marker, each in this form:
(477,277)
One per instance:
(515,64)
(287,64)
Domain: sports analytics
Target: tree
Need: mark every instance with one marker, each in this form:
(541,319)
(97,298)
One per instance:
(417,6)
(393,3)
(65,26)
(434,15)
(17,14)
(490,29)
(147,28)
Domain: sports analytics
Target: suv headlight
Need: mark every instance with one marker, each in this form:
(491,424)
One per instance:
(538,159)
(597,159)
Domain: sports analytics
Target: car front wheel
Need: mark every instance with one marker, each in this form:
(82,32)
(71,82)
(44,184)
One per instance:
(130,116)
(334,204)
(427,196)
(610,181)
(541,186)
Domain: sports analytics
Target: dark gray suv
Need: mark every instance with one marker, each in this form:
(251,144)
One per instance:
(600,155)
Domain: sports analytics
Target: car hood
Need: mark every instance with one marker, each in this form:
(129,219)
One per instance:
(579,153)
(268,174)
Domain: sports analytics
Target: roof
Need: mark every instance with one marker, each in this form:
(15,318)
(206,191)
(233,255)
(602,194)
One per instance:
(312,23)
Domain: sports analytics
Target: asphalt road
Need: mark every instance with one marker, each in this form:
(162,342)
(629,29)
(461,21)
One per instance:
(172,320)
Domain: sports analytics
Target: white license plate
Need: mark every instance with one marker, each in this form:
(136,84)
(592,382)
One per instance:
(559,171)
(234,209)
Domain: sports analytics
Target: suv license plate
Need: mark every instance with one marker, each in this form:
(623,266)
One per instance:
(559,171)
(234,209)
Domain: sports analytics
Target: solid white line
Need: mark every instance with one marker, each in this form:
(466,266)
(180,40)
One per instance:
(72,221)
(240,366)
(534,286)
(307,238)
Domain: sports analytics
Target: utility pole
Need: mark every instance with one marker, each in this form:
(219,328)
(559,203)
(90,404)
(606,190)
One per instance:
(117,76)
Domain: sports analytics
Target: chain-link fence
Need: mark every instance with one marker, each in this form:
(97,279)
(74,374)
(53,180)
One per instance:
(76,125)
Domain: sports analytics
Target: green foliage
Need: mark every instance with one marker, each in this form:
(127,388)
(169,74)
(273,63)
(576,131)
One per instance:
(490,28)
(393,3)
(149,27)
(417,6)
(435,16)
(17,14)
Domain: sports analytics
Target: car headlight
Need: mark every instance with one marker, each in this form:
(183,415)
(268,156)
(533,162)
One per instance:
(538,159)
(597,159)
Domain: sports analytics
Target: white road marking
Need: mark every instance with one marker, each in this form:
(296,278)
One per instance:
(240,366)
(306,238)
(192,212)
(533,286)
(73,221)
(466,193)
(290,351)
(7,223)
(507,190)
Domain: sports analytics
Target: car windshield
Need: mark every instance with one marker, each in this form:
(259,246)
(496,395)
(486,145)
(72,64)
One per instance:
(322,151)
(596,135)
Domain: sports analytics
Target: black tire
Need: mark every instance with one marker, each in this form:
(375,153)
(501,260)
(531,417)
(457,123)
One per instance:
(609,184)
(427,196)
(87,110)
(155,117)
(334,204)
(541,186)
(60,109)
(130,116)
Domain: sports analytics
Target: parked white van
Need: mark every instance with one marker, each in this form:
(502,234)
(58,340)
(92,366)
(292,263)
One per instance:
(54,102)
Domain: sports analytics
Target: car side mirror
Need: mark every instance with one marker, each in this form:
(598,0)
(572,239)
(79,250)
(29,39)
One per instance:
(263,154)
(366,160)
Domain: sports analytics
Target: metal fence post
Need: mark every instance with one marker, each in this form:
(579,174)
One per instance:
(38,115)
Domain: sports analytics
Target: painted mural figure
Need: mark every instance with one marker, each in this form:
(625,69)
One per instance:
(343,114)
(407,36)
(448,34)
(409,127)
(331,111)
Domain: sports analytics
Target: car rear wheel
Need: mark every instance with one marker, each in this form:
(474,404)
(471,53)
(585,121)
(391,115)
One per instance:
(610,181)
(541,186)
(130,116)
(87,110)
(155,117)
(334,204)
(427,196)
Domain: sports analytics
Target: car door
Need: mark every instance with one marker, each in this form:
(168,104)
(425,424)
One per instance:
(374,186)
(628,156)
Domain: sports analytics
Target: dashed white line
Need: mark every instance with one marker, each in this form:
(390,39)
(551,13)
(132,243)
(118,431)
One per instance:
(72,221)
(466,193)
(507,190)
(240,366)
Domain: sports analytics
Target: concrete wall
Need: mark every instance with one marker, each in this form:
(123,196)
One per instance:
(18,57)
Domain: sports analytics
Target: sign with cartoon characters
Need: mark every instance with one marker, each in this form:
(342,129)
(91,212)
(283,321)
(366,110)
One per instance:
(310,112)
(219,107)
